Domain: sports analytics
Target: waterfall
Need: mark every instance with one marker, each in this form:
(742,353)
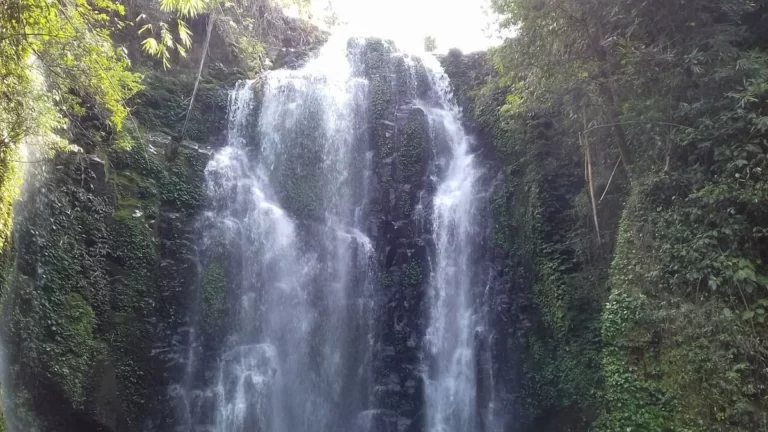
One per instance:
(453,314)
(329,329)
(288,195)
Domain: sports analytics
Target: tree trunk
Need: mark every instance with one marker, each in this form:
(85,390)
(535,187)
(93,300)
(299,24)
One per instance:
(614,118)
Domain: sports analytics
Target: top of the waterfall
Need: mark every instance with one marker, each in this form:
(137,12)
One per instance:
(464,24)
(335,66)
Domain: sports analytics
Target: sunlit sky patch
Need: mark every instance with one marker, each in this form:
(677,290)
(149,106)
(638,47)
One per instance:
(464,24)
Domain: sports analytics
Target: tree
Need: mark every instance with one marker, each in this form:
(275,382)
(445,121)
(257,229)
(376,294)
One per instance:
(70,41)
(257,18)
(56,59)
(575,50)
(677,90)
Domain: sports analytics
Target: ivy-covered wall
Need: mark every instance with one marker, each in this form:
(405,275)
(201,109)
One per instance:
(82,303)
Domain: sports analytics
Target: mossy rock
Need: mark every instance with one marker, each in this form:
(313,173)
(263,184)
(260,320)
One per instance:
(412,156)
(214,300)
(162,105)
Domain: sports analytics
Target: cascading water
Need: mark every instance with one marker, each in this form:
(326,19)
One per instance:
(288,195)
(321,341)
(451,390)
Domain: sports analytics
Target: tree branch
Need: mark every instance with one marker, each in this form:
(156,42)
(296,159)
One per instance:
(636,122)
(211,19)
(583,140)
(609,180)
(24,35)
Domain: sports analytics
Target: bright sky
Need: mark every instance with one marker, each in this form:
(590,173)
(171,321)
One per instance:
(463,24)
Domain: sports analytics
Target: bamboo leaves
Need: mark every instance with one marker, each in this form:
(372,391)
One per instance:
(161,42)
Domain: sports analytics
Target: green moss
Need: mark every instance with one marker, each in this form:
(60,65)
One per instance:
(214,300)
(145,181)
(410,157)
(2,420)
(162,105)
(53,295)
(181,186)
(302,195)
(386,280)
(85,289)
(413,273)
(64,345)
(380,102)
(381,95)
(75,347)
(405,204)
(376,57)
(539,229)
(300,178)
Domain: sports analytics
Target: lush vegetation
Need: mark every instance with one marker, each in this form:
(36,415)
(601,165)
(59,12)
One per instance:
(66,62)
(56,60)
(634,139)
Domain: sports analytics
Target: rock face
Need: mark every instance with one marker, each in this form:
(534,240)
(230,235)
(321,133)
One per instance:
(401,205)
(99,280)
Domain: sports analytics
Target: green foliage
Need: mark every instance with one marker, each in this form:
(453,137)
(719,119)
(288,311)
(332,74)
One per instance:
(252,52)
(10,180)
(161,41)
(164,42)
(185,8)
(55,57)
(243,24)
(71,42)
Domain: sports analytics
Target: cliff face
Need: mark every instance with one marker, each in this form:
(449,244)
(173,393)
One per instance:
(121,314)
(112,294)
(400,191)
(101,256)
(118,306)
(407,164)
